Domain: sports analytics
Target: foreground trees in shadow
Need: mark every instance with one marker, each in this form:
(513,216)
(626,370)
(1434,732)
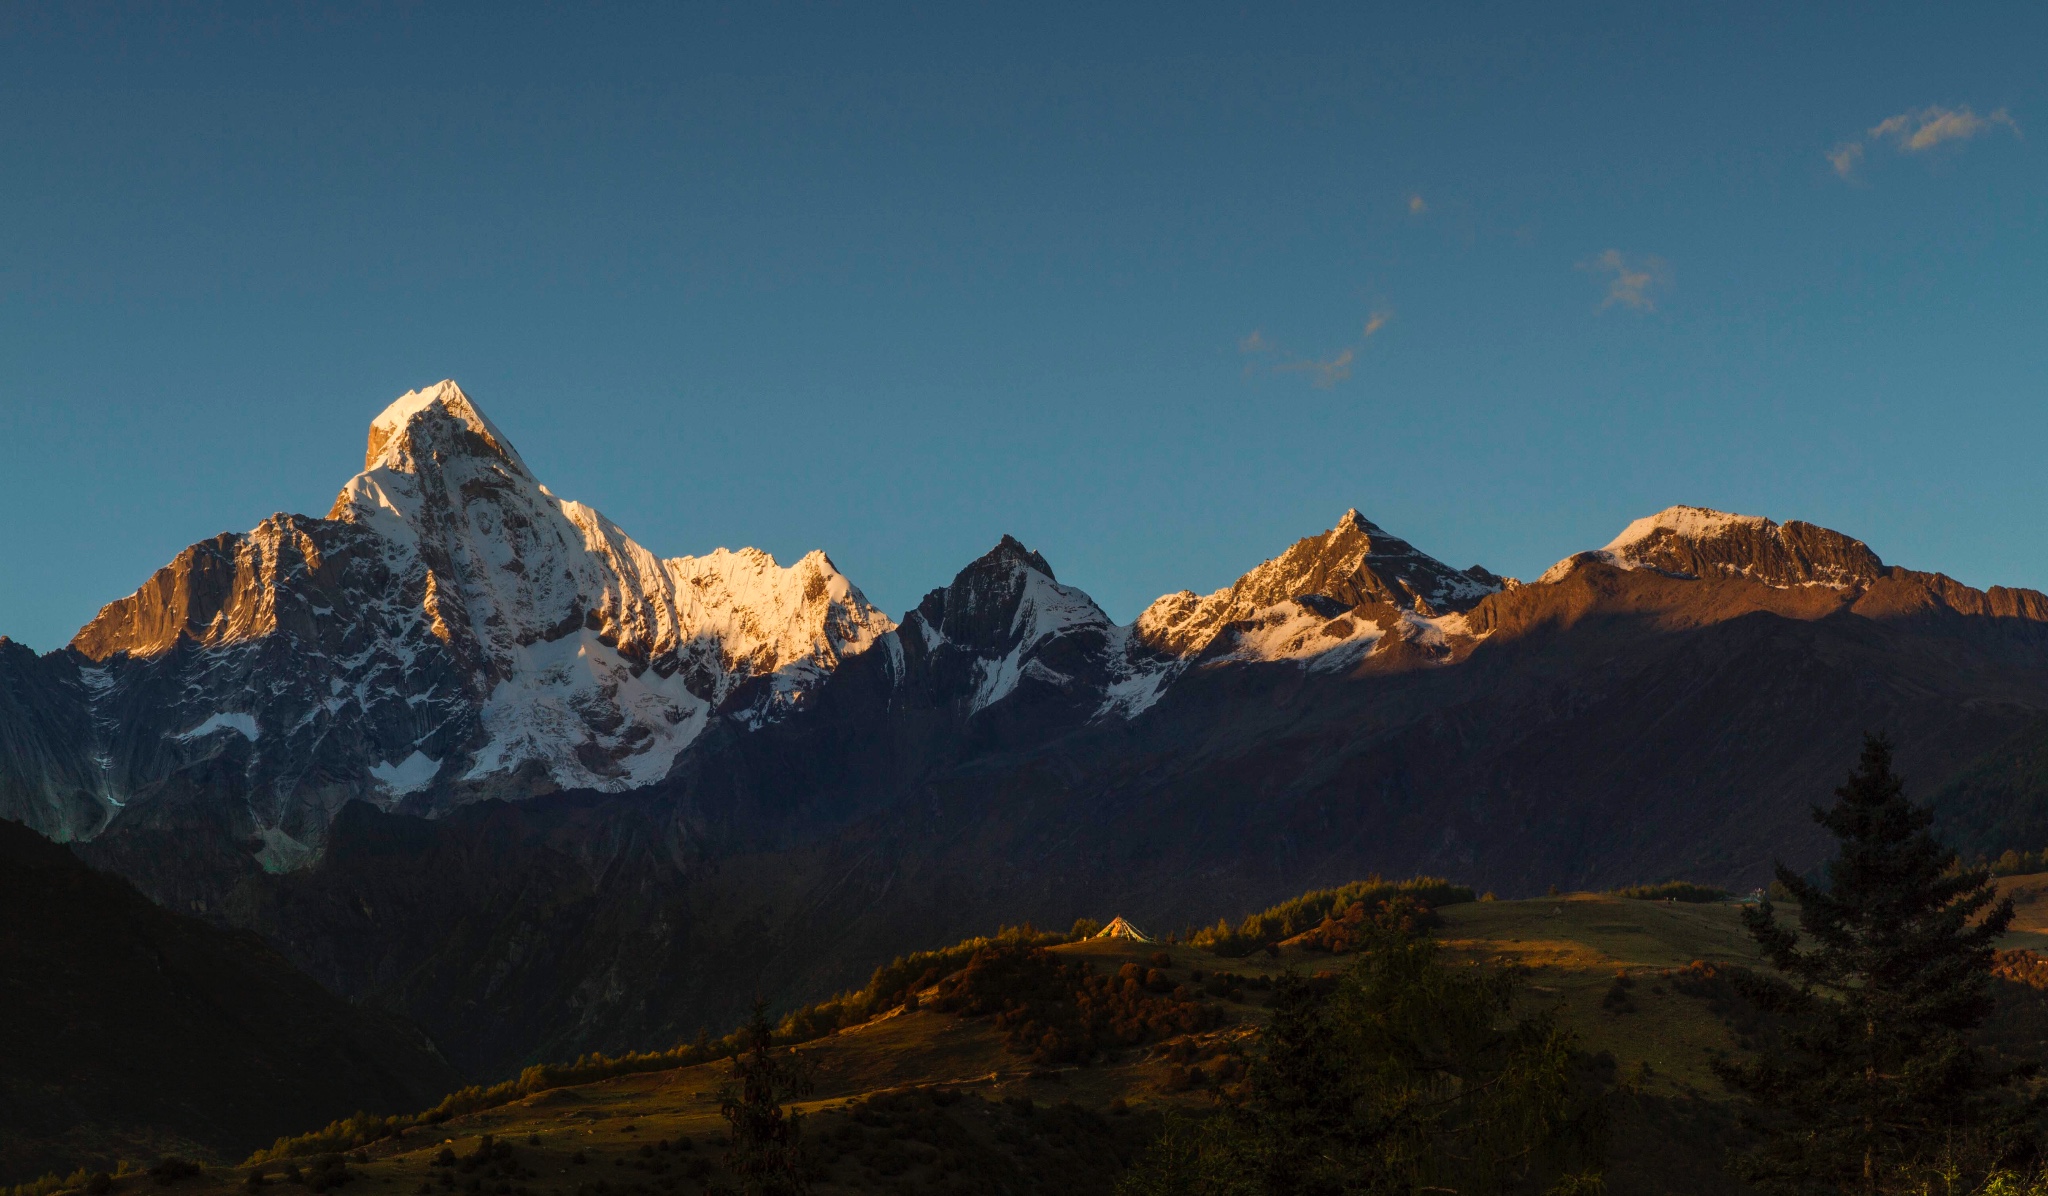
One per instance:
(1878,1088)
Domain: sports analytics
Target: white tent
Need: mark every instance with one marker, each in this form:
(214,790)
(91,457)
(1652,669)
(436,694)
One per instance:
(1120,929)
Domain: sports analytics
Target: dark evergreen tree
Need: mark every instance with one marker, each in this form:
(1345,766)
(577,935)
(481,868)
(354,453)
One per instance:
(1305,1100)
(1880,1089)
(763,1149)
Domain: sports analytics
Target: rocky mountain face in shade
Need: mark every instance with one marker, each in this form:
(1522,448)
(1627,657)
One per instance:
(463,750)
(1007,634)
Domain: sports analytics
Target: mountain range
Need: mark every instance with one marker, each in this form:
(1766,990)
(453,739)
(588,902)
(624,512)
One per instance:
(465,750)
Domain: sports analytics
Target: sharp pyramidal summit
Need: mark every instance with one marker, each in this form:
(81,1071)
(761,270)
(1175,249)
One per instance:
(467,750)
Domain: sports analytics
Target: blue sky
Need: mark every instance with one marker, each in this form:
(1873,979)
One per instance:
(1158,289)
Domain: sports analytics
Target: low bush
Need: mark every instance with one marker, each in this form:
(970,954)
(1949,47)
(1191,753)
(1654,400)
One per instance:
(1311,910)
(1673,890)
(1061,1011)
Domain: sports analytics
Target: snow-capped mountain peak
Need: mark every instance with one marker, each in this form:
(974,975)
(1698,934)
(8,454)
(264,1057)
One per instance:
(391,433)
(453,629)
(1006,627)
(1355,563)
(1693,542)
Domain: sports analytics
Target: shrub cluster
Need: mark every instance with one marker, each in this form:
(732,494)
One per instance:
(1673,890)
(2017,863)
(1311,910)
(2020,967)
(894,983)
(1058,1011)
(1342,932)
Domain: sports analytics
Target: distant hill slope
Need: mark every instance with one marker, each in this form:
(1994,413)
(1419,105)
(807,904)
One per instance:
(130,1030)
(920,1099)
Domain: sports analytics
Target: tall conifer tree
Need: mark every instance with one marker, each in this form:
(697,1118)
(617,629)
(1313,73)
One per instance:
(764,1148)
(1880,1090)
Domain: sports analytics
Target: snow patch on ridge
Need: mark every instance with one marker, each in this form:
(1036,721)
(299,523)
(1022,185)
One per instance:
(1295,630)
(1143,685)
(1693,523)
(1045,611)
(281,852)
(577,691)
(409,775)
(244,724)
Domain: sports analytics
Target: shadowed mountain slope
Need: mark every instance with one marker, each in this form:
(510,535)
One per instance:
(131,1030)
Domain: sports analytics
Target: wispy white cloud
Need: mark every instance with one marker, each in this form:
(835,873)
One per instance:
(1845,156)
(1918,131)
(1634,283)
(1323,372)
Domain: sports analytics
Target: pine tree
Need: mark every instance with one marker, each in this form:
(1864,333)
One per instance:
(763,1150)
(1880,1089)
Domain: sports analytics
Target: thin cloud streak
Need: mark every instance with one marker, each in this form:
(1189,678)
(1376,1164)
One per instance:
(1929,127)
(1916,132)
(1323,373)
